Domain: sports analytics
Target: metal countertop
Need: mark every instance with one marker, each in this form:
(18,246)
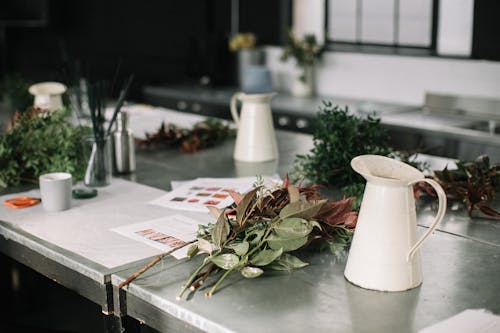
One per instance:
(460,268)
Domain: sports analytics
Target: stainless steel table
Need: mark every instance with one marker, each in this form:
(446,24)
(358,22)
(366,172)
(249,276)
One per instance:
(458,274)
(72,271)
(460,264)
(460,269)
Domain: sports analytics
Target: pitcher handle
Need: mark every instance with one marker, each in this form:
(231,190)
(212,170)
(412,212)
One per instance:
(234,109)
(439,216)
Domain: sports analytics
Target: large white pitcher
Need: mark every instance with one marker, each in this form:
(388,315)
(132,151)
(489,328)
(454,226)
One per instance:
(384,253)
(256,139)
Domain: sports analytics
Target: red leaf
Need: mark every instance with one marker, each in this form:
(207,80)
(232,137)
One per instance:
(351,220)
(286,181)
(334,210)
(487,210)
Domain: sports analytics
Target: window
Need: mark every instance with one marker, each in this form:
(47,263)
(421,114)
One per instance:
(382,23)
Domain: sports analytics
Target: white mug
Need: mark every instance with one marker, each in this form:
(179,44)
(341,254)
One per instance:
(55,190)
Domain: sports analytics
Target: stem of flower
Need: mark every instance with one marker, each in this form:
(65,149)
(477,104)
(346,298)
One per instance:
(212,290)
(152,263)
(192,278)
(200,278)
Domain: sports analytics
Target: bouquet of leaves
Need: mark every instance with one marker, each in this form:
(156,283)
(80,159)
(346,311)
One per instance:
(204,134)
(474,184)
(263,230)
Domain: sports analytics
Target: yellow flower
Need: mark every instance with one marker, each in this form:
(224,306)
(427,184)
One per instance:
(242,41)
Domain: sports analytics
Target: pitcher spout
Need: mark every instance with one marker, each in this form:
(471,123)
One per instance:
(381,169)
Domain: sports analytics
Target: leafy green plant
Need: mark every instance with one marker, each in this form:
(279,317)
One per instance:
(305,51)
(263,231)
(40,142)
(339,137)
(265,228)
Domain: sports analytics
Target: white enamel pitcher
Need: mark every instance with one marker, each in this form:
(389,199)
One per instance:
(384,253)
(256,139)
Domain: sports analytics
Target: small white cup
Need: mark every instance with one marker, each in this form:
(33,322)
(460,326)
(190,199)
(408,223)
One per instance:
(55,190)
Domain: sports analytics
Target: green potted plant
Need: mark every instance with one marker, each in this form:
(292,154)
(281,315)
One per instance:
(305,52)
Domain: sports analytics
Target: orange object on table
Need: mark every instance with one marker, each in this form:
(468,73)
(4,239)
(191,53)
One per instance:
(21,202)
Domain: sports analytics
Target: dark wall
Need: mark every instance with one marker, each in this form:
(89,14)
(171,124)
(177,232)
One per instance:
(159,41)
(486,35)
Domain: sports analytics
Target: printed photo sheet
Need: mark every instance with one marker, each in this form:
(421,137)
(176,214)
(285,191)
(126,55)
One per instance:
(164,233)
(201,192)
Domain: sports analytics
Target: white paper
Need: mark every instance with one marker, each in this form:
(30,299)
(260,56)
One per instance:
(85,228)
(163,233)
(196,195)
(468,321)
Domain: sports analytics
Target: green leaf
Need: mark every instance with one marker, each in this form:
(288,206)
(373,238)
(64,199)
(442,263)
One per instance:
(220,230)
(193,250)
(293,227)
(255,236)
(251,272)
(240,248)
(303,209)
(287,262)
(265,257)
(275,242)
(205,246)
(226,261)
(315,224)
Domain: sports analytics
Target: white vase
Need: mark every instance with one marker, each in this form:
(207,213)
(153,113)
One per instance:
(302,84)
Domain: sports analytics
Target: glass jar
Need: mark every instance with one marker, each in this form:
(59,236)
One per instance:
(99,163)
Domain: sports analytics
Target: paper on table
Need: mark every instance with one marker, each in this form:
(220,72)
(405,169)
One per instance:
(201,192)
(164,233)
(468,321)
(85,229)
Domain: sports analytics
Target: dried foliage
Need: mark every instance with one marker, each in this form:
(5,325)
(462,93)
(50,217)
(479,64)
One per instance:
(264,228)
(473,183)
(204,134)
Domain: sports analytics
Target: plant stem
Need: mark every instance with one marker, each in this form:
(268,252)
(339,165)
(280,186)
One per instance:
(152,263)
(201,278)
(192,277)
(212,290)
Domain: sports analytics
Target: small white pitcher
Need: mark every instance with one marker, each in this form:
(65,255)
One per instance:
(384,253)
(256,139)
(48,95)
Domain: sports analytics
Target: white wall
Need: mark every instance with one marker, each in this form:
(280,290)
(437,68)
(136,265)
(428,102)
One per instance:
(390,78)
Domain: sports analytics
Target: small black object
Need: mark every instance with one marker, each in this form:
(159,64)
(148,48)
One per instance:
(84,193)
